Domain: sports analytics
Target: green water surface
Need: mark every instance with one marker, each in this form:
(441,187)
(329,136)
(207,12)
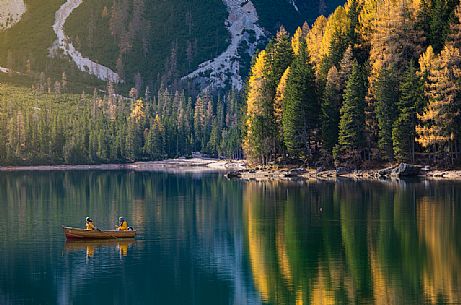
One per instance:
(203,239)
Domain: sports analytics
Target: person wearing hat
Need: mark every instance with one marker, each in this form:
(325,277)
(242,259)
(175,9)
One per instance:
(89,224)
(123,224)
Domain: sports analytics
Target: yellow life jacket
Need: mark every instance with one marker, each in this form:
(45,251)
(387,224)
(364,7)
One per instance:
(90,226)
(123,226)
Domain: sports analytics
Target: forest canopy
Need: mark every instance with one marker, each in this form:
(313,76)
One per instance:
(378,81)
(375,82)
(103,127)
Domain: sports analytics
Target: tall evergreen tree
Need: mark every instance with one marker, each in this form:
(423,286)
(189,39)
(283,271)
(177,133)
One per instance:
(403,131)
(300,107)
(345,67)
(351,124)
(454,36)
(433,18)
(331,104)
(387,95)
(155,142)
(279,55)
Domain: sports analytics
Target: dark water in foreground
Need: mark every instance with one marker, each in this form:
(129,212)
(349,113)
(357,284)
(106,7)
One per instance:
(206,240)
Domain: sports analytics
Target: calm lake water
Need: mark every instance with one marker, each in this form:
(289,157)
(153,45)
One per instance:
(206,240)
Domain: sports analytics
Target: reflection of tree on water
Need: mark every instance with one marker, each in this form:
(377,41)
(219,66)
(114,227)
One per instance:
(441,270)
(374,243)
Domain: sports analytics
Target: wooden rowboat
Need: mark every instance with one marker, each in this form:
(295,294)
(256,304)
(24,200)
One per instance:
(76,233)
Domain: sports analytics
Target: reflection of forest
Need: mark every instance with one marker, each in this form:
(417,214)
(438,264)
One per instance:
(276,242)
(344,243)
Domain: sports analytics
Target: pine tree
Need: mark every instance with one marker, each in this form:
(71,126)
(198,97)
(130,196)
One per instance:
(433,18)
(351,124)
(387,95)
(352,8)
(155,142)
(454,36)
(279,55)
(345,67)
(403,132)
(331,104)
(3,134)
(300,107)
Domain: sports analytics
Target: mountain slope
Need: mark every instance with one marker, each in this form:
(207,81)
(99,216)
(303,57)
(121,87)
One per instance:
(144,42)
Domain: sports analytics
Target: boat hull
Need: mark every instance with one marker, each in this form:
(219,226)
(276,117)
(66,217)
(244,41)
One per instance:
(81,234)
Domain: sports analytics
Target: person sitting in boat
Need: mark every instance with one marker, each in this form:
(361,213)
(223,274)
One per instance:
(123,224)
(89,224)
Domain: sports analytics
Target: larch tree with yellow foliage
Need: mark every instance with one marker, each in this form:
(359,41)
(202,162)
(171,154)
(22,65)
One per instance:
(278,101)
(134,138)
(259,119)
(262,141)
(440,121)
(395,42)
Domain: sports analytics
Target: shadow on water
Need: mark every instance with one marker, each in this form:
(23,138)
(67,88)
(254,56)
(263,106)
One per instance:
(203,239)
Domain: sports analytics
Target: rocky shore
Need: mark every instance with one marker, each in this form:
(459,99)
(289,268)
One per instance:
(401,171)
(238,169)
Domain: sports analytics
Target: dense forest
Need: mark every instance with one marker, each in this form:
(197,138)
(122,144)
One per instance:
(102,127)
(375,82)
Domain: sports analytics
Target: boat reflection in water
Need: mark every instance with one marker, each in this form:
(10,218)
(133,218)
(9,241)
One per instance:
(91,246)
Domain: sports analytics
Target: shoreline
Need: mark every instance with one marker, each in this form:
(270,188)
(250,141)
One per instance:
(238,169)
(169,165)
